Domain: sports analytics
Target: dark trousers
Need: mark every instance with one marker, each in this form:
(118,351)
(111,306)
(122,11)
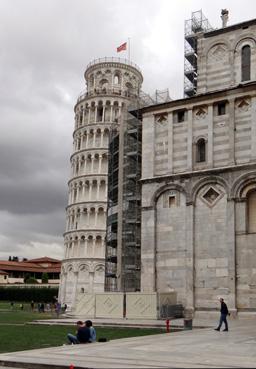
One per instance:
(223,319)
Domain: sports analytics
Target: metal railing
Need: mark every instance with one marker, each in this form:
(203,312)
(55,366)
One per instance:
(106,91)
(113,60)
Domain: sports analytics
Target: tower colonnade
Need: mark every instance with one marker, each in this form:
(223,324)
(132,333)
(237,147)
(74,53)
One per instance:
(112,84)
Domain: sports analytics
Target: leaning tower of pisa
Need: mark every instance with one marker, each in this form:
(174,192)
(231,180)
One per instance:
(112,84)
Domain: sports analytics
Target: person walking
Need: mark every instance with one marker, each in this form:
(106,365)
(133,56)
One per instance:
(223,316)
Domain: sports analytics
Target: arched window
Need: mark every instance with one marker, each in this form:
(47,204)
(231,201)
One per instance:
(246,63)
(116,79)
(251,211)
(201,151)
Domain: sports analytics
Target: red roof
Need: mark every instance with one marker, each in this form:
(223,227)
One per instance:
(26,266)
(3,272)
(45,259)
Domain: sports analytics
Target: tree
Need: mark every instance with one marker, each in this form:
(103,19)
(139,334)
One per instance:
(29,280)
(45,278)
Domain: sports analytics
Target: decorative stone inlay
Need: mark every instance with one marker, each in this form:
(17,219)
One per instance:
(109,303)
(161,118)
(141,305)
(243,104)
(201,112)
(218,53)
(211,196)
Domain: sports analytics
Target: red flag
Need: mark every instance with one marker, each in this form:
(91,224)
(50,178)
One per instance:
(121,47)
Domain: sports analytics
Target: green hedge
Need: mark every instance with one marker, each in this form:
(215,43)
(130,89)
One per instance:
(28,294)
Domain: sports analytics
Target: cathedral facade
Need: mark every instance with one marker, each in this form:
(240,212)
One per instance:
(199,178)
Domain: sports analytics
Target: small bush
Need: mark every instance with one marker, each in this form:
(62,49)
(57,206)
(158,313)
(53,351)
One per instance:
(28,294)
(31,280)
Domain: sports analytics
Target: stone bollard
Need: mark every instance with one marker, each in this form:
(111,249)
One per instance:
(167,325)
(188,319)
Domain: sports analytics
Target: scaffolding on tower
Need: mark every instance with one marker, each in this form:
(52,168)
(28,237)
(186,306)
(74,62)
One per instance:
(123,238)
(193,27)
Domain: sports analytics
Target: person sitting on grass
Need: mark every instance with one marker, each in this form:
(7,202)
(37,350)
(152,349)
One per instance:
(82,334)
(88,324)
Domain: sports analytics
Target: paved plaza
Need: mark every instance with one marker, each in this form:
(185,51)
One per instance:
(191,349)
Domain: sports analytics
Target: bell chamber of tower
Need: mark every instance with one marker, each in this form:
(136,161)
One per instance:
(112,84)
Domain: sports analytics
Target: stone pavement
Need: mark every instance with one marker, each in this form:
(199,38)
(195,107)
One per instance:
(191,349)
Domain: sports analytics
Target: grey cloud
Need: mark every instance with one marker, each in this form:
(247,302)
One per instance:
(45,46)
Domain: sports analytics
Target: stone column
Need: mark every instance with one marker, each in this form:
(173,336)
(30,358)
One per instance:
(90,191)
(66,249)
(232,69)
(103,114)
(93,246)
(82,140)
(83,191)
(231,132)
(111,113)
(85,247)
(78,248)
(94,138)
(67,222)
(101,137)
(190,304)
(63,284)
(74,289)
(106,189)
(231,247)
(87,140)
(170,143)
(210,136)
(89,115)
(85,164)
(100,163)
(240,215)
(72,248)
(71,195)
(96,113)
(92,166)
(96,217)
(98,191)
(88,217)
(148,250)
(253,132)
(83,116)
(190,141)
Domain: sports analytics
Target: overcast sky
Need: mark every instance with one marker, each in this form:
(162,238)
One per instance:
(45,46)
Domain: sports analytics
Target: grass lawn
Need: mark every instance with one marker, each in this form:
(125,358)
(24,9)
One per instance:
(16,335)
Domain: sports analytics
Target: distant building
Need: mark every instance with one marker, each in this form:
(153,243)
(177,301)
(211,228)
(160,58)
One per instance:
(13,272)
(3,277)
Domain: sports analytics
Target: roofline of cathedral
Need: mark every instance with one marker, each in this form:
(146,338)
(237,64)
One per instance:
(246,86)
(229,28)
